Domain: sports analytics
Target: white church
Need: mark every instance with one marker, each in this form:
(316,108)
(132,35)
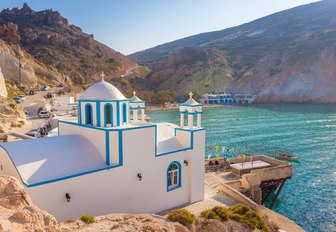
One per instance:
(107,163)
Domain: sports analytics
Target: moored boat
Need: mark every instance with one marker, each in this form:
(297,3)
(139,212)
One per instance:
(287,156)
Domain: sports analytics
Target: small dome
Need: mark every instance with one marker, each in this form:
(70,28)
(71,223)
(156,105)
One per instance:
(102,91)
(191,102)
(135,99)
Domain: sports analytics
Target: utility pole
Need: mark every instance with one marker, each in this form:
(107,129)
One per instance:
(20,72)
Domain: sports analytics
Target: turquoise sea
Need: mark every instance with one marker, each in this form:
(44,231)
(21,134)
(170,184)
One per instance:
(309,131)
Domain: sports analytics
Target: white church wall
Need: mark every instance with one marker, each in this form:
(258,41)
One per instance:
(197,166)
(183,136)
(119,189)
(114,147)
(94,112)
(97,137)
(102,113)
(6,166)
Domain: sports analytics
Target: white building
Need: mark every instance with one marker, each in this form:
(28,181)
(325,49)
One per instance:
(64,104)
(107,163)
(225,98)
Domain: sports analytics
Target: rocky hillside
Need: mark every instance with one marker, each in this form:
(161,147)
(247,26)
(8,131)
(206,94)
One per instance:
(64,48)
(289,56)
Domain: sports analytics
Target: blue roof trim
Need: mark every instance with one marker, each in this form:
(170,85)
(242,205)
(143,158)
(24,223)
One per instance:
(120,140)
(120,137)
(186,112)
(107,147)
(79,112)
(98,113)
(198,105)
(175,151)
(107,129)
(136,108)
(103,100)
(72,176)
(142,101)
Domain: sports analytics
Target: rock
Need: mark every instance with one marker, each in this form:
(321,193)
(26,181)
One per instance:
(9,31)
(206,225)
(3,89)
(9,64)
(17,213)
(26,9)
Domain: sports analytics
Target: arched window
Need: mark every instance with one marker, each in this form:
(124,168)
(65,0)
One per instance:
(108,114)
(124,110)
(88,114)
(173,176)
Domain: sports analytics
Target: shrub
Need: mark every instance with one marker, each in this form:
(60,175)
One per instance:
(182,216)
(12,105)
(69,221)
(209,214)
(239,209)
(148,220)
(222,212)
(13,124)
(88,218)
(247,216)
(2,130)
(218,213)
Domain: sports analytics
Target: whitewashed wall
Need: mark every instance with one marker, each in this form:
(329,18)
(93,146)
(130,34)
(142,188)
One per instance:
(97,137)
(197,164)
(119,190)
(94,112)
(6,166)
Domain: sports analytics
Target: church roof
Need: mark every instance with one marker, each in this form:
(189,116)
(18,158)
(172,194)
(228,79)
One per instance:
(135,99)
(102,91)
(191,102)
(38,161)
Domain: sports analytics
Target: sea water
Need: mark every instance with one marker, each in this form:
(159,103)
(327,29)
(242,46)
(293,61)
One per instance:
(309,131)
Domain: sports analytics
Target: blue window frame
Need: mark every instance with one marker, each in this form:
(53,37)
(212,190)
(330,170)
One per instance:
(124,110)
(174,176)
(88,114)
(108,114)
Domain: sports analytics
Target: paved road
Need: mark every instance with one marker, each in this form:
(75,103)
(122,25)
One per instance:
(31,105)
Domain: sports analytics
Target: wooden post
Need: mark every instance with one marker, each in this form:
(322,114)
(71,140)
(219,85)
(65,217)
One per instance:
(277,194)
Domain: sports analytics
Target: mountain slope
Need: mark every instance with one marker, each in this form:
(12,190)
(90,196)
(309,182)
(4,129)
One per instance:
(49,38)
(289,56)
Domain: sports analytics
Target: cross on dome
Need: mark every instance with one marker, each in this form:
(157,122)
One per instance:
(102,75)
(191,94)
(134,93)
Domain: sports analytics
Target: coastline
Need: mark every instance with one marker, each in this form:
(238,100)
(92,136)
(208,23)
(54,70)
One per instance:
(175,106)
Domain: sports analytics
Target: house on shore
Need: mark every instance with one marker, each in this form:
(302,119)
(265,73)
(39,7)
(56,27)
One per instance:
(106,163)
(221,97)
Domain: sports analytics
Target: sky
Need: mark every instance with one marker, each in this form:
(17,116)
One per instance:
(129,26)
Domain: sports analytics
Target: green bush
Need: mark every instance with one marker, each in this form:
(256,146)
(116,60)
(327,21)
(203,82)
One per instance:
(182,216)
(209,214)
(247,216)
(218,213)
(222,212)
(239,209)
(239,213)
(12,105)
(88,218)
